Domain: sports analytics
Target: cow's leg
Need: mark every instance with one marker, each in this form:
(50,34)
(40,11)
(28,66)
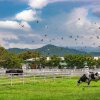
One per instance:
(78,82)
(88,82)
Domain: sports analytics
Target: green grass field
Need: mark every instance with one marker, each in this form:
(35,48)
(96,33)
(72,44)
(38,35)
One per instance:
(40,89)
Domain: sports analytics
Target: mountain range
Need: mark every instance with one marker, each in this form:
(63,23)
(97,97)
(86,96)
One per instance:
(87,49)
(49,50)
(60,51)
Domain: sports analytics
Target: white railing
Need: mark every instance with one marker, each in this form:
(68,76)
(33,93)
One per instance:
(44,74)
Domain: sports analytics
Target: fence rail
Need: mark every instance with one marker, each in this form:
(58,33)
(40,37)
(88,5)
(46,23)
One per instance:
(43,74)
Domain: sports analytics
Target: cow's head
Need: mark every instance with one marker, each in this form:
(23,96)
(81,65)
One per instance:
(97,75)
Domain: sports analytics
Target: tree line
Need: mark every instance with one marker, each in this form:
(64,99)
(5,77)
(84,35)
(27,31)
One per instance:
(11,60)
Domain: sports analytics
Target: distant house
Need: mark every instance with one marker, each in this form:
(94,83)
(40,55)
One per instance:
(62,65)
(25,66)
(49,58)
(96,57)
(32,62)
(33,59)
(62,58)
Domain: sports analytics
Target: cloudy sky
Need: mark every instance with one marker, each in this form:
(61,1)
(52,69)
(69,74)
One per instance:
(35,23)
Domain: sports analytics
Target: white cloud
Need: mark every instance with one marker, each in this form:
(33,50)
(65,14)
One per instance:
(36,36)
(31,15)
(78,17)
(26,25)
(27,15)
(72,26)
(38,4)
(8,36)
(9,24)
(14,25)
(96,10)
(78,23)
(24,45)
(14,40)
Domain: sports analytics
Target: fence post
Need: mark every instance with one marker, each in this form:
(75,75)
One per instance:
(34,78)
(23,78)
(44,76)
(11,79)
(54,77)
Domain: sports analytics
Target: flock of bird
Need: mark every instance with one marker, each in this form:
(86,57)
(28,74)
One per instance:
(75,38)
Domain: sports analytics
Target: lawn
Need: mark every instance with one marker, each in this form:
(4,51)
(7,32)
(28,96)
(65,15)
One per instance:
(49,89)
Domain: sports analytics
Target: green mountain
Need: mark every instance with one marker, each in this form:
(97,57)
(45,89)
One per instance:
(95,53)
(49,50)
(55,50)
(17,50)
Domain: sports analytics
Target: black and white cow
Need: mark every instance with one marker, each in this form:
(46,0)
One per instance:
(91,76)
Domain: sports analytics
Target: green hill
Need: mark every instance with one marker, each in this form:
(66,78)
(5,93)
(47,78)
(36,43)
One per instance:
(54,50)
(49,50)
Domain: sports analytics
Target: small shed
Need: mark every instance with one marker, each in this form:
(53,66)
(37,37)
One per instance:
(62,65)
(32,62)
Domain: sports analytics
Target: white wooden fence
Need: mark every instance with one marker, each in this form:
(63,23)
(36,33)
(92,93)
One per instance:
(44,73)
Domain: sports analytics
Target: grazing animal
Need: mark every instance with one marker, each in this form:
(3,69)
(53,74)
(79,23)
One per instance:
(91,76)
(14,71)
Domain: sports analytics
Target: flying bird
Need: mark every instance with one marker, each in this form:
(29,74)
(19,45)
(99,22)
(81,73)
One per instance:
(37,21)
(77,36)
(70,36)
(49,40)
(97,37)
(62,38)
(91,37)
(53,39)
(21,25)
(75,39)
(93,43)
(42,40)
(45,35)
(33,41)
(79,19)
